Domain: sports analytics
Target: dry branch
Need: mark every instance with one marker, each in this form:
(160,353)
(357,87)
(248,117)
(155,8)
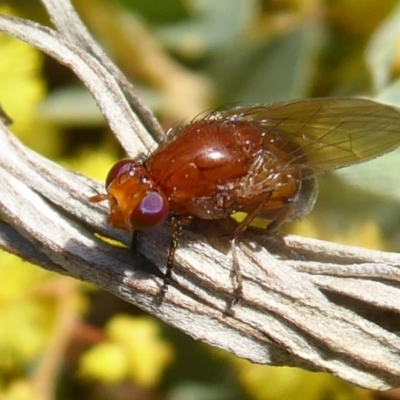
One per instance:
(307,303)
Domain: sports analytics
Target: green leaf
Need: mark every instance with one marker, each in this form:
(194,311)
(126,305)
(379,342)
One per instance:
(213,24)
(390,94)
(165,11)
(263,72)
(379,177)
(383,49)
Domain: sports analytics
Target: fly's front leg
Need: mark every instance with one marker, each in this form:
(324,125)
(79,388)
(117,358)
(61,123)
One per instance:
(134,242)
(176,231)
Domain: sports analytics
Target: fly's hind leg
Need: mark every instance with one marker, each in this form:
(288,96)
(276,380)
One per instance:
(281,218)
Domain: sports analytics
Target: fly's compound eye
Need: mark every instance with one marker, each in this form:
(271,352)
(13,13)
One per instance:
(119,168)
(152,210)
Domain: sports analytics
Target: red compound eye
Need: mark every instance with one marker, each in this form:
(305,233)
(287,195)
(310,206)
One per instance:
(152,210)
(119,168)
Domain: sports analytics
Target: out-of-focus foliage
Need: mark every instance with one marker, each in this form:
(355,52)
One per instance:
(133,350)
(25,317)
(21,87)
(269,383)
(21,390)
(21,91)
(32,302)
(186,57)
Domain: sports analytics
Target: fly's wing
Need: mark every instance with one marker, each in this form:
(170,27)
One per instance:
(326,133)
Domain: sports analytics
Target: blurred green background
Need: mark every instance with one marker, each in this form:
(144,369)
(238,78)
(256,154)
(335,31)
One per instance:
(61,339)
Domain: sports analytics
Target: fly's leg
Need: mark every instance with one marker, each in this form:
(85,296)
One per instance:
(176,227)
(134,242)
(297,205)
(281,218)
(144,266)
(236,275)
(236,271)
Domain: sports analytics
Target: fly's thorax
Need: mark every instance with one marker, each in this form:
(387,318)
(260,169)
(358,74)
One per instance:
(200,167)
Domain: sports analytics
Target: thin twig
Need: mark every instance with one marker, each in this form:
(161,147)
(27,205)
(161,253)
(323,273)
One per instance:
(68,23)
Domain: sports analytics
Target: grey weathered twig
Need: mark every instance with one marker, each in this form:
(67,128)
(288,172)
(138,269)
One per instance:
(307,303)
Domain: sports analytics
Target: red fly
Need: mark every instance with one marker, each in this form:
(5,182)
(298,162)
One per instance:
(261,160)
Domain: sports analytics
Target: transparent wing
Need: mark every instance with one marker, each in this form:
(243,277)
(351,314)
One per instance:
(326,133)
